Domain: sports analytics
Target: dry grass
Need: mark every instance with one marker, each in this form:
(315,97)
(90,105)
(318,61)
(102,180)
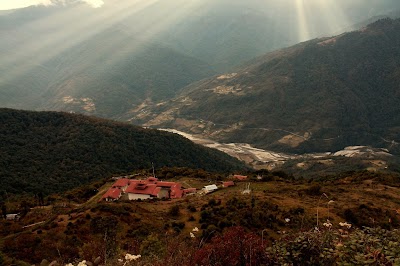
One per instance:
(362,198)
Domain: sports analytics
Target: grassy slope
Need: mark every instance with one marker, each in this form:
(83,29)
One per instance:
(355,200)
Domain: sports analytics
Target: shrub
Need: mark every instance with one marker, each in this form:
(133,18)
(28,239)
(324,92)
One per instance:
(174,211)
(212,202)
(308,248)
(152,246)
(314,190)
(338,247)
(191,208)
(234,247)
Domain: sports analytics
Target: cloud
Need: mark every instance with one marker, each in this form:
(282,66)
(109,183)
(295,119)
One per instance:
(8,4)
(45,2)
(94,3)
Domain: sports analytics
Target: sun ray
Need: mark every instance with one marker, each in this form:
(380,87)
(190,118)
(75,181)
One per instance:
(302,23)
(76,25)
(153,28)
(332,16)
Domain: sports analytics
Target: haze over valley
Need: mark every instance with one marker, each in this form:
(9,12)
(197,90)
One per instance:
(120,58)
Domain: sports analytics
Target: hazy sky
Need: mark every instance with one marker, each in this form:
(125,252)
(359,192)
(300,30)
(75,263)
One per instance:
(12,4)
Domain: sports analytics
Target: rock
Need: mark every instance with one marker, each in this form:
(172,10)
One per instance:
(88,263)
(44,263)
(54,263)
(97,261)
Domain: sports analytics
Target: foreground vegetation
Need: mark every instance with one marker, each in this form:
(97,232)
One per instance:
(347,220)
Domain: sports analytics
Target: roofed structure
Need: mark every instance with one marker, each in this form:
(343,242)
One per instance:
(240,177)
(121,183)
(112,194)
(188,191)
(210,188)
(152,188)
(228,184)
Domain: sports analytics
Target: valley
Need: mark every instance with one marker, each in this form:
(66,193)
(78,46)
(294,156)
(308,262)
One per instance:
(201,132)
(375,159)
(309,98)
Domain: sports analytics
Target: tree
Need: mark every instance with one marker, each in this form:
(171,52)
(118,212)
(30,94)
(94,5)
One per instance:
(4,210)
(106,228)
(41,199)
(25,207)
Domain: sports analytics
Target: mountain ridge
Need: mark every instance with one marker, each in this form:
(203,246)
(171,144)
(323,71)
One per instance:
(320,95)
(135,53)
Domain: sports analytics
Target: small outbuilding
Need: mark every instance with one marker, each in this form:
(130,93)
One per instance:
(13,217)
(189,191)
(240,177)
(112,194)
(228,184)
(210,188)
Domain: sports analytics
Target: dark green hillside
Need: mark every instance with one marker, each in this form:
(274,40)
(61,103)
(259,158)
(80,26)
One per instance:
(322,95)
(48,151)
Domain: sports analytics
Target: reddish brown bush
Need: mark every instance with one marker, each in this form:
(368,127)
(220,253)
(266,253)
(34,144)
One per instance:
(234,247)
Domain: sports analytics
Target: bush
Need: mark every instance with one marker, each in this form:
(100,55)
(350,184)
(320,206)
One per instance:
(338,247)
(174,211)
(191,208)
(314,190)
(212,202)
(234,247)
(152,246)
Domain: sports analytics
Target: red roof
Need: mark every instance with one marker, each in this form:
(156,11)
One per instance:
(112,193)
(189,190)
(122,182)
(152,179)
(145,189)
(228,184)
(176,191)
(240,177)
(152,186)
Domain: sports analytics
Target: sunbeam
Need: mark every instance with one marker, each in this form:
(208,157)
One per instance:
(33,52)
(331,15)
(302,21)
(155,26)
(77,25)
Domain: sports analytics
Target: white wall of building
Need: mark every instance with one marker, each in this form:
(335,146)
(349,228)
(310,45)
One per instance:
(133,196)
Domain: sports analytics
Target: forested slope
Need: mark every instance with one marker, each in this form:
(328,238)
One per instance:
(49,151)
